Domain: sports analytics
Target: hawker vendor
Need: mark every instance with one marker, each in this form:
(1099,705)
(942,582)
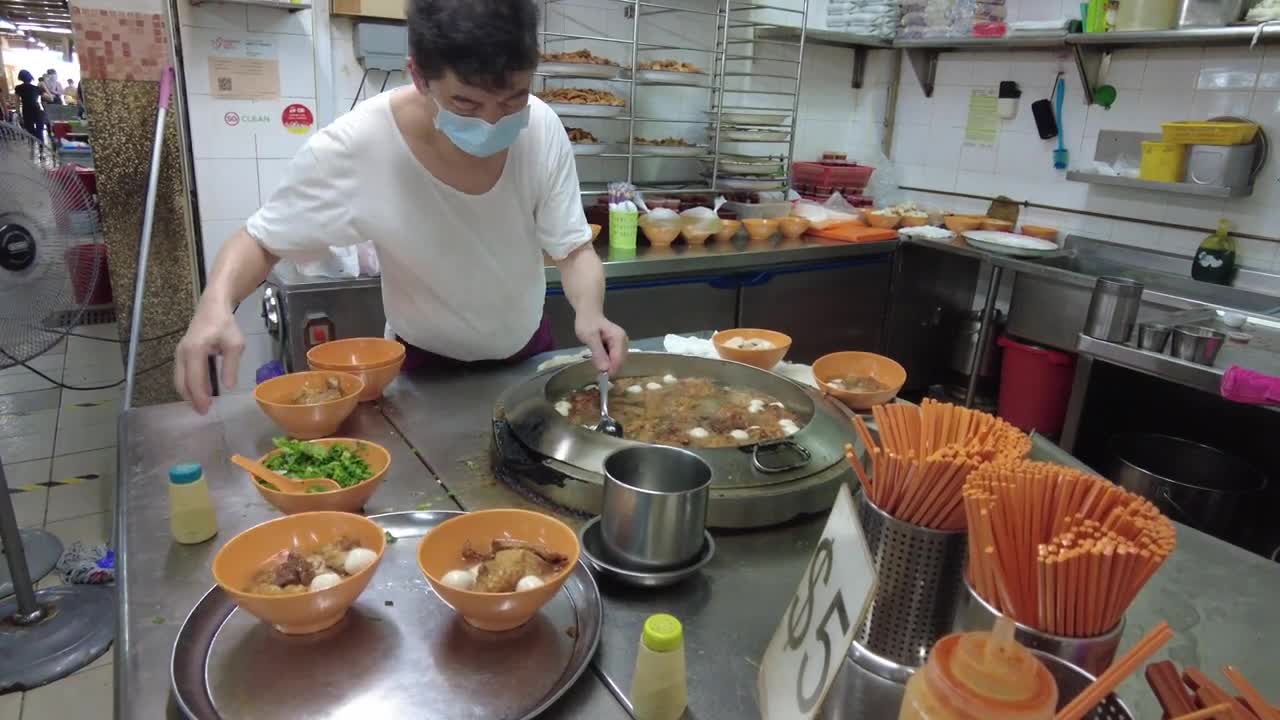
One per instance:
(460,181)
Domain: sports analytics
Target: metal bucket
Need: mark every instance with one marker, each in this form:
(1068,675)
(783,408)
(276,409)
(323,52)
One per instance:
(919,583)
(1195,484)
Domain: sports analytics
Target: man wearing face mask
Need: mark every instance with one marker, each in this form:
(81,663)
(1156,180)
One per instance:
(461,181)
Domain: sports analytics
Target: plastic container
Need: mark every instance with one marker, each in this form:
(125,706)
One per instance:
(768,210)
(1189,132)
(1035,384)
(191,516)
(831,173)
(984,675)
(1139,15)
(659,687)
(1163,161)
(622,229)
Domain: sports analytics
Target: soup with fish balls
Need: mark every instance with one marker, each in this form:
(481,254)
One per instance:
(694,412)
(290,572)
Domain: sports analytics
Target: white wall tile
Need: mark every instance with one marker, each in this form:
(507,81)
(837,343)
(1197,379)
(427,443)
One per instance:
(1212,103)
(1175,69)
(215,15)
(1127,68)
(227,189)
(1229,69)
(222,128)
(213,234)
(270,173)
(294,53)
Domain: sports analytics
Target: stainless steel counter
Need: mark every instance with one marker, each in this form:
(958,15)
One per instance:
(1219,599)
(722,257)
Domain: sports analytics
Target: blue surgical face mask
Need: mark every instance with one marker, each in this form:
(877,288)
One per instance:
(474,136)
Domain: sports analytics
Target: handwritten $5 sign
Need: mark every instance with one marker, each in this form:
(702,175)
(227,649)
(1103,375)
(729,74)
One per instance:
(809,646)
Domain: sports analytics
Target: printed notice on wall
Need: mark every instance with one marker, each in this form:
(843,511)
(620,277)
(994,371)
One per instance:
(244,69)
(983,123)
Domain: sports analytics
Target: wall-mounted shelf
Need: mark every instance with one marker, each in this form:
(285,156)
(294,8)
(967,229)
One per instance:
(860,44)
(923,52)
(1176,188)
(286,5)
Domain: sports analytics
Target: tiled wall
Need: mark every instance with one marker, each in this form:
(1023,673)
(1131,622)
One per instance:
(1154,85)
(116,44)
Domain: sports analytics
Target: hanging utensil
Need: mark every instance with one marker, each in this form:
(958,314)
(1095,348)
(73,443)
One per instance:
(1060,155)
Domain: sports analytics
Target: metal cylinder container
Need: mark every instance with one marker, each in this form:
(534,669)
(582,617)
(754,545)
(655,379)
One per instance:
(1197,344)
(654,513)
(1093,654)
(918,585)
(1153,336)
(1113,309)
(1195,484)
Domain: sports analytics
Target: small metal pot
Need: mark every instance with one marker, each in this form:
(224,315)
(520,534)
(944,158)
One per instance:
(1153,336)
(1192,483)
(654,512)
(1197,344)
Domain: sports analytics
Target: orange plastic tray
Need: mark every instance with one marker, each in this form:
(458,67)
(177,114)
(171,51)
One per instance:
(855,233)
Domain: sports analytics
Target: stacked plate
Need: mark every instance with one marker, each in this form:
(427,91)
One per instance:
(671,77)
(1012,244)
(590,148)
(746,165)
(585,110)
(580,70)
(670,150)
(742,117)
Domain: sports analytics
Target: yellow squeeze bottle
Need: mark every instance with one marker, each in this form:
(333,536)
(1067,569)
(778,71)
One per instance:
(191,516)
(659,689)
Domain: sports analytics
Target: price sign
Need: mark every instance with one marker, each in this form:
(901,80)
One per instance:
(817,628)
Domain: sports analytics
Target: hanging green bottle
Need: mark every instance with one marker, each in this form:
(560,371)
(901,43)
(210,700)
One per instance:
(1215,260)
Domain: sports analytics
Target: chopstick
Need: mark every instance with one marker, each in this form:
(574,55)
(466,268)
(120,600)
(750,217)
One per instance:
(1256,702)
(922,456)
(1121,669)
(1204,714)
(1167,685)
(1209,692)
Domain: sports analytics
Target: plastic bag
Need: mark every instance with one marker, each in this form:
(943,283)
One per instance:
(661,218)
(835,211)
(702,219)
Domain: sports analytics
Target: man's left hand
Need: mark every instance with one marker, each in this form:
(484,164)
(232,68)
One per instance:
(607,342)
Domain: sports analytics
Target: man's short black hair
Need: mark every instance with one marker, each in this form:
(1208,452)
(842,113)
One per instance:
(481,41)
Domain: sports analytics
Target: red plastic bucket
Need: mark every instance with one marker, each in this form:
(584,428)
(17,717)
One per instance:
(90,280)
(1035,385)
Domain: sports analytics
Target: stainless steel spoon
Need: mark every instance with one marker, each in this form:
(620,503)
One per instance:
(607,425)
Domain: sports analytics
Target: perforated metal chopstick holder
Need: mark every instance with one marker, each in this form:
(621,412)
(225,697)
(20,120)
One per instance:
(920,581)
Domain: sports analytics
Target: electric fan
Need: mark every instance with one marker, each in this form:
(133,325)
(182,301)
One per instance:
(50,263)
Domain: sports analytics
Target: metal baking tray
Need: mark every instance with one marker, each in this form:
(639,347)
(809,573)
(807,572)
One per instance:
(399,652)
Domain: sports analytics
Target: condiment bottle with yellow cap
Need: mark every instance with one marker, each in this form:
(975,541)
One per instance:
(981,675)
(659,689)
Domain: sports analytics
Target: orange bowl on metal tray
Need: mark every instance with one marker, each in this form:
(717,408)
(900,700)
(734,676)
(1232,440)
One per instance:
(728,228)
(962,223)
(278,399)
(695,237)
(760,229)
(349,499)
(441,551)
(376,361)
(997,224)
(882,221)
(244,555)
(660,235)
(793,227)
(763,358)
(860,364)
(1042,232)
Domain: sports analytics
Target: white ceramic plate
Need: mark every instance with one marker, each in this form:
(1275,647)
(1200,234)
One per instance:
(672,77)
(749,167)
(671,150)
(749,183)
(581,70)
(754,135)
(590,148)
(1005,243)
(733,117)
(584,110)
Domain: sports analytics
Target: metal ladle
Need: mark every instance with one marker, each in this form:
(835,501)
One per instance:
(607,425)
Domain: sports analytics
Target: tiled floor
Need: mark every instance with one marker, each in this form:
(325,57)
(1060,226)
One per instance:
(58,449)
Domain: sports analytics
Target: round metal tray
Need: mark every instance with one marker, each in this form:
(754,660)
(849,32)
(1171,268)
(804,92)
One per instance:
(399,652)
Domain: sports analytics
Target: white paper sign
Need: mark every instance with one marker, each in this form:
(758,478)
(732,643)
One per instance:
(810,644)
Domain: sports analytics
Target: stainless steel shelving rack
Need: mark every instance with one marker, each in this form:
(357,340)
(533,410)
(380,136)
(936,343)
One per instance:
(732,53)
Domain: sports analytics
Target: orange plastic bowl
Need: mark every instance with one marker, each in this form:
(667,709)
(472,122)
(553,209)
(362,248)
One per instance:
(728,229)
(696,237)
(352,354)
(844,364)
(764,359)
(441,551)
(914,221)
(659,235)
(1042,232)
(308,422)
(997,224)
(793,227)
(349,499)
(595,231)
(760,229)
(884,222)
(962,223)
(236,563)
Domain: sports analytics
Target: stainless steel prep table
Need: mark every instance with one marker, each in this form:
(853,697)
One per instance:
(159,581)
(1217,597)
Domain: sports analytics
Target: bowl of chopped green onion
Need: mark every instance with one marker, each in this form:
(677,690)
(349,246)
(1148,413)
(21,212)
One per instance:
(358,466)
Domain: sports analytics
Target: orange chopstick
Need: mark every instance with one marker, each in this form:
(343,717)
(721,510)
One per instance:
(1257,703)
(1119,671)
(1206,713)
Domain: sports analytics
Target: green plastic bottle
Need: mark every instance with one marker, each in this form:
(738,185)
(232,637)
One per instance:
(1215,260)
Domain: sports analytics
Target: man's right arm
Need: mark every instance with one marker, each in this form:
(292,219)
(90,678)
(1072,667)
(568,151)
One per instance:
(242,265)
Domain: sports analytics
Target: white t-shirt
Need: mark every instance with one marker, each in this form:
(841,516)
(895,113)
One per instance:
(462,275)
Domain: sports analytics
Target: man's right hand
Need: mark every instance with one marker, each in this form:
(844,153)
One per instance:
(213,331)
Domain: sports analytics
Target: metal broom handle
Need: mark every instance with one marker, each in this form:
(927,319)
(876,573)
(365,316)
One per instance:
(144,244)
(28,611)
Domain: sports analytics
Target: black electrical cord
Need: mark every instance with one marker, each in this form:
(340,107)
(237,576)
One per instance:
(118,341)
(64,386)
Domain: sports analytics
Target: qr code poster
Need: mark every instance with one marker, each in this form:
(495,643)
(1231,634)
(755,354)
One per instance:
(243,69)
